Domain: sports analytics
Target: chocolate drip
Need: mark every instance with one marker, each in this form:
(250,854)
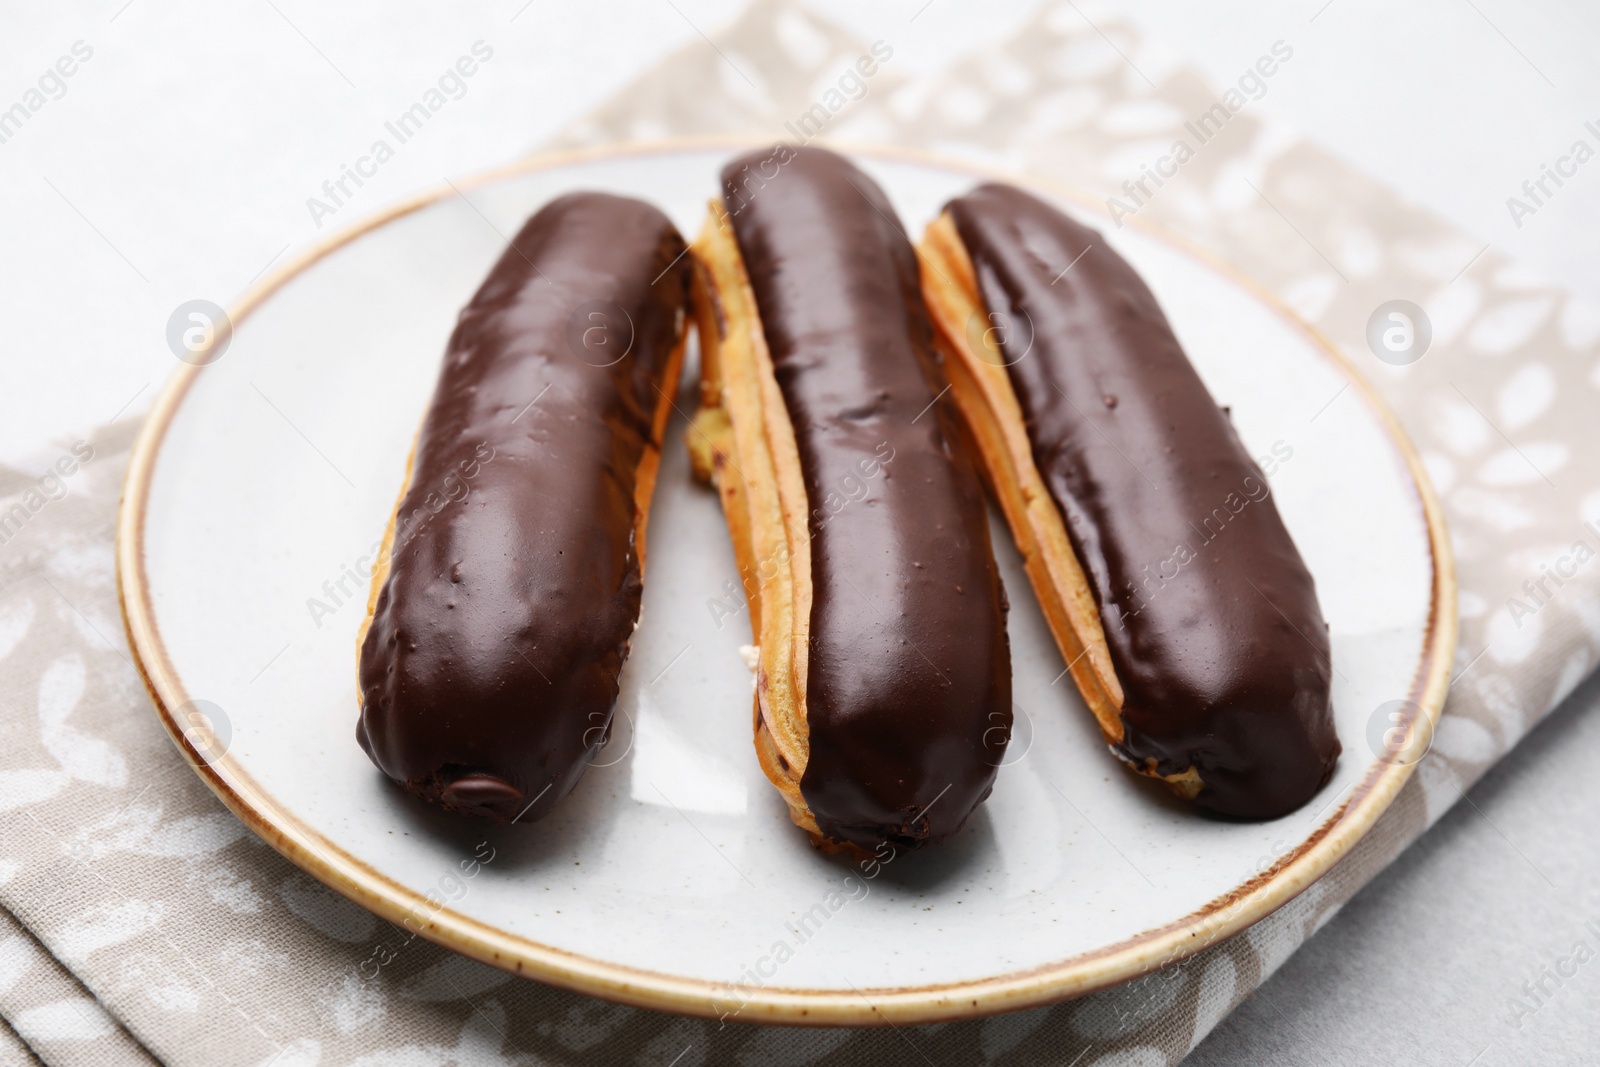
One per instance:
(489,673)
(909,667)
(1210,614)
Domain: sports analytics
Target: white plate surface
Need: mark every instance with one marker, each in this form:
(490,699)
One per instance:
(276,474)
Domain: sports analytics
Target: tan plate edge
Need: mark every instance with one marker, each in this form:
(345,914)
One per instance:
(1050,983)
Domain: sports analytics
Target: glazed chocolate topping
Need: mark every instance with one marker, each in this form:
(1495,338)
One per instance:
(1210,614)
(489,673)
(909,667)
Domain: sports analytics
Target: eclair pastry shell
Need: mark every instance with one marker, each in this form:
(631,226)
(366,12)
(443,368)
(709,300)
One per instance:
(982,390)
(742,442)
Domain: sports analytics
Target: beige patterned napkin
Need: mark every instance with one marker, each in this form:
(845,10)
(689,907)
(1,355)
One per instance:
(142,920)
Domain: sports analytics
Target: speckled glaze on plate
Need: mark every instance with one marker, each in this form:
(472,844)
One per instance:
(671,877)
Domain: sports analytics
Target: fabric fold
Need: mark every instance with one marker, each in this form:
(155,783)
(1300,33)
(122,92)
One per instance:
(50,1017)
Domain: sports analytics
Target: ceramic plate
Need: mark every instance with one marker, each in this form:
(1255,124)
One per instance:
(671,877)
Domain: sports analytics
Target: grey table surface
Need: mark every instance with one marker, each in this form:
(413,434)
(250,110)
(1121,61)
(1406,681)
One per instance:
(1480,945)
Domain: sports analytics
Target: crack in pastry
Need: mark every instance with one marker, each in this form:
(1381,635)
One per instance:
(1187,617)
(509,580)
(883,681)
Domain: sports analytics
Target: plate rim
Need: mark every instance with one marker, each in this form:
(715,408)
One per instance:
(1050,983)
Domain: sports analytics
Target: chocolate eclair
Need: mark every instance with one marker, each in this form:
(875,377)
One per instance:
(510,577)
(1186,615)
(883,684)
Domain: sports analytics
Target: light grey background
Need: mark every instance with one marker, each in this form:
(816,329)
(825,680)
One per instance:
(178,163)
